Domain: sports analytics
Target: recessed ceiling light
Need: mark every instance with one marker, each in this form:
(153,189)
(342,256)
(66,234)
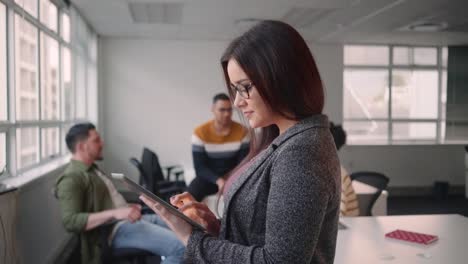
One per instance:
(428,26)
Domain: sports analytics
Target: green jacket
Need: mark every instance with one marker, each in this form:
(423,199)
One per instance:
(81,192)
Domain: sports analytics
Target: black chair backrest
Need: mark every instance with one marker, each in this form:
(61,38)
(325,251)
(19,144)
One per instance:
(374,179)
(152,171)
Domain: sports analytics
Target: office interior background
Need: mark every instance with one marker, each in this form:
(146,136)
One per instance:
(145,72)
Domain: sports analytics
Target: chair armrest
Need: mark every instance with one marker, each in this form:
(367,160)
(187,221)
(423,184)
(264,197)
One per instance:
(177,170)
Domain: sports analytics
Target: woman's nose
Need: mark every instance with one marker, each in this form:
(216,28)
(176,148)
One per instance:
(238,100)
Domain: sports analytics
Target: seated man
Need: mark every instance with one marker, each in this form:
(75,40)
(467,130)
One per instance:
(349,204)
(88,199)
(218,146)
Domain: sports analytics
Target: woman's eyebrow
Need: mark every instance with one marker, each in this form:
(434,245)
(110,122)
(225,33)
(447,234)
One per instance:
(241,80)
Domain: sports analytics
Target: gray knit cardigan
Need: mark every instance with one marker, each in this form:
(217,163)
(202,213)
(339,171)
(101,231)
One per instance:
(284,207)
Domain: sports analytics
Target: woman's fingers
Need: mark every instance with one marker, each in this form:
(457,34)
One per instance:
(181,199)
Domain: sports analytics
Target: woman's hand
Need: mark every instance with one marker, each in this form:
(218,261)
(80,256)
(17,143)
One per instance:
(181,228)
(197,211)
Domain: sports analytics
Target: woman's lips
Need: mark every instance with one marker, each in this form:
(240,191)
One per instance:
(248,113)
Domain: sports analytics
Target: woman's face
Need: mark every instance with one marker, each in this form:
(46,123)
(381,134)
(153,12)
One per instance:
(254,108)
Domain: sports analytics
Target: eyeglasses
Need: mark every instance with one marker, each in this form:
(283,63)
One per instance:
(242,89)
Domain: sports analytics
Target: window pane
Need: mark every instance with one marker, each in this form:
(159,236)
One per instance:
(402,56)
(48,14)
(414,56)
(67,88)
(366,132)
(365,94)
(80,87)
(27,94)
(444,56)
(365,55)
(27,146)
(92,46)
(425,56)
(29,5)
(65,27)
(414,131)
(50,94)
(2,151)
(443,96)
(50,142)
(92,93)
(64,131)
(3,63)
(414,94)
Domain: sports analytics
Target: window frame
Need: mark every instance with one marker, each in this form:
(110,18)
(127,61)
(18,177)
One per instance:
(10,125)
(439,120)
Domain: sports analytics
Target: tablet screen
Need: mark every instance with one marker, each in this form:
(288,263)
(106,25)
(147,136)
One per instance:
(141,190)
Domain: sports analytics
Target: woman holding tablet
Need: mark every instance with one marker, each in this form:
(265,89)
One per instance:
(282,202)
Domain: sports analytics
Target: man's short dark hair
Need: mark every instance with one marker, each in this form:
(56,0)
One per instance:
(220,96)
(78,133)
(339,135)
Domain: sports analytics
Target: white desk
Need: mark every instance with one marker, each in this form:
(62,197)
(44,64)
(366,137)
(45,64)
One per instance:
(364,194)
(364,241)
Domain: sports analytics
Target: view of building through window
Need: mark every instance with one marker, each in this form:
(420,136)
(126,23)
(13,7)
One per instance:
(391,100)
(48,89)
(29,6)
(48,14)
(27,90)
(3,161)
(27,147)
(50,93)
(3,63)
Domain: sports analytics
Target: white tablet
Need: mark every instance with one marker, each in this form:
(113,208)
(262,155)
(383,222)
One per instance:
(133,186)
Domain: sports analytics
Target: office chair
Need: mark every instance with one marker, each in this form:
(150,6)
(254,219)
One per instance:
(374,179)
(152,177)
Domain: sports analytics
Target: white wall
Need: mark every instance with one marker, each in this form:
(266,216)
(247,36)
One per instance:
(156,92)
(37,226)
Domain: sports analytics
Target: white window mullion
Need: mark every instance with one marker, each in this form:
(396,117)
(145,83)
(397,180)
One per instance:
(390,81)
(439,96)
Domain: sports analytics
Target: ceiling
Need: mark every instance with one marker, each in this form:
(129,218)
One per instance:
(326,21)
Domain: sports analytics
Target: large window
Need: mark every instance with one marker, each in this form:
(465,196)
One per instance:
(27,147)
(65,29)
(394,94)
(2,152)
(48,14)
(48,57)
(29,6)
(67,88)
(26,79)
(50,92)
(50,142)
(3,68)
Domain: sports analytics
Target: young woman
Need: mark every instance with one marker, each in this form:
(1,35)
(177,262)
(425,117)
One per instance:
(282,202)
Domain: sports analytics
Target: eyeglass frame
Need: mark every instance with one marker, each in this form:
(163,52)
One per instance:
(244,88)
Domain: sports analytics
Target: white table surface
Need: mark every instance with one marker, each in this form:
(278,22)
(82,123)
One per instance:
(364,240)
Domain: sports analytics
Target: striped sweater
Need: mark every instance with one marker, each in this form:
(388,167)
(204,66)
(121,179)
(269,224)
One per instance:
(215,155)
(349,204)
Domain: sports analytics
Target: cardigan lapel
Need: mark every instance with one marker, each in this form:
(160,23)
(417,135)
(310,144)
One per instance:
(244,176)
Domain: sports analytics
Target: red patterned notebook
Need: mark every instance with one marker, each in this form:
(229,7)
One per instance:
(412,236)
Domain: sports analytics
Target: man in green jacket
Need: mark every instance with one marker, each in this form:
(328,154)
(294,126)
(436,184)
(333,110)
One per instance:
(88,200)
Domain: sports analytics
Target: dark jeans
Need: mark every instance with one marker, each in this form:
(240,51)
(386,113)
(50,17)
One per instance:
(200,188)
